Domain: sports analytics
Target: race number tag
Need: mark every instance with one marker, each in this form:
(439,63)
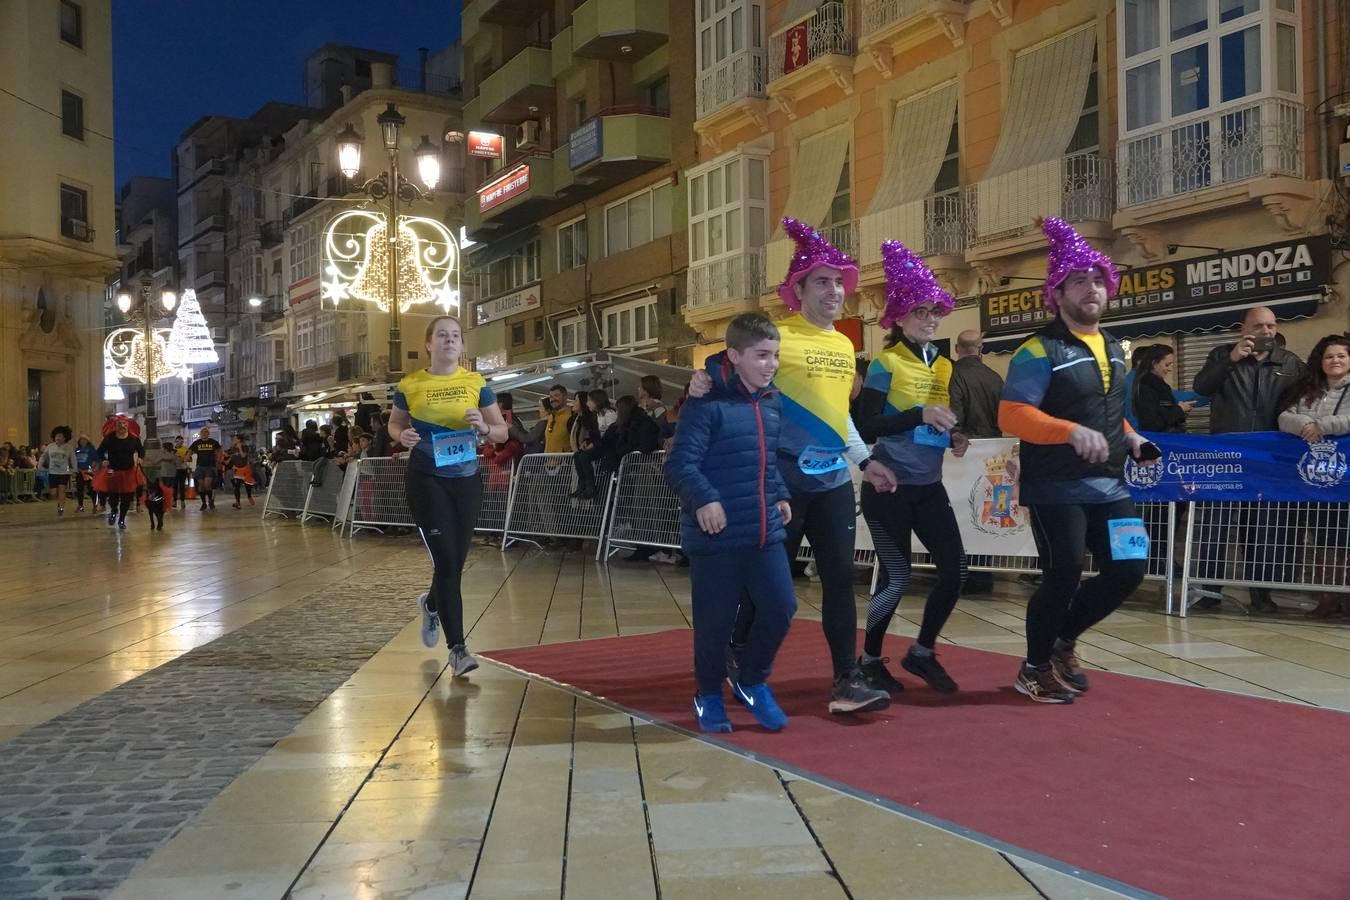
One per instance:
(1129,538)
(820,460)
(931,437)
(452,448)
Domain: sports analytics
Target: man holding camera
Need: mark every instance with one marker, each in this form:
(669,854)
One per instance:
(1246,383)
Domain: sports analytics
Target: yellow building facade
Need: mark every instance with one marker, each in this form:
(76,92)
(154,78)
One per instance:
(57,213)
(1185,138)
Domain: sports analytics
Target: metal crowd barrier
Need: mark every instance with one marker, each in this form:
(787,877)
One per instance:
(498,485)
(25,484)
(542,504)
(289,488)
(321,501)
(346,495)
(644,511)
(379,498)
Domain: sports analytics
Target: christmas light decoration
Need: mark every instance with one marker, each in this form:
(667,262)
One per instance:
(357,258)
(190,342)
(127,355)
(112,385)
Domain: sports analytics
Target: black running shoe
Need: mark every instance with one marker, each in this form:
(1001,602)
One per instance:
(930,670)
(852,695)
(877,676)
(1041,685)
(1065,665)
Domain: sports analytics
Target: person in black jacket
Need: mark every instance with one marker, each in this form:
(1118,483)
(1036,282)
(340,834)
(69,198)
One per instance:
(975,388)
(1154,405)
(311,442)
(633,432)
(1247,382)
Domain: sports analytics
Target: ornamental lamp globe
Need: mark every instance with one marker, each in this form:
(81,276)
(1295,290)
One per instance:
(124,302)
(169,299)
(428,163)
(390,122)
(349,151)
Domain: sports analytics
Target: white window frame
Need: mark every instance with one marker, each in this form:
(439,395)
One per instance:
(304,251)
(619,324)
(1268,17)
(571,334)
(325,338)
(716,18)
(657,226)
(574,259)
(743,207)
(304,343)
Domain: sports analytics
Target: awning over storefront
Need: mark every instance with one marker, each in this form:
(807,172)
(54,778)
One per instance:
(616,374)
(1190,321)
(339,396)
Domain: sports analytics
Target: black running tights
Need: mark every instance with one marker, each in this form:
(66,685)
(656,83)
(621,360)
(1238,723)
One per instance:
(445,510)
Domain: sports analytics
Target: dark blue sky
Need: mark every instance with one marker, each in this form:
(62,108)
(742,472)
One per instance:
(176,61)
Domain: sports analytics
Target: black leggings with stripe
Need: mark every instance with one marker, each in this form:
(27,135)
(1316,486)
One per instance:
(445,510)
(912,509)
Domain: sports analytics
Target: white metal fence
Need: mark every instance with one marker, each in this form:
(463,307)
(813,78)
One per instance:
(1300,546)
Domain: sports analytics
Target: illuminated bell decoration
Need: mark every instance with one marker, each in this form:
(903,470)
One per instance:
(127,356)
(373,282)
(357,258)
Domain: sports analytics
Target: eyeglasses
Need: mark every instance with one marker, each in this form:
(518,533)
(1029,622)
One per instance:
(927,312)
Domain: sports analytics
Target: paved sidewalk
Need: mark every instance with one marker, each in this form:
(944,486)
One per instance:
(88,795)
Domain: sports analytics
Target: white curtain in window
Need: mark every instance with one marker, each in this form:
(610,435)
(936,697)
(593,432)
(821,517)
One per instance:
(1046,99)
(796,11)
(914,154)
(815,176)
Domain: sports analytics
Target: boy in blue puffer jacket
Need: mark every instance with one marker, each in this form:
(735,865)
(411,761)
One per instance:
(735,507)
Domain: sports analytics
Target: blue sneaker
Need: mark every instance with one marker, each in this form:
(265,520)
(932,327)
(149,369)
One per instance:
(759,700)
(711,713)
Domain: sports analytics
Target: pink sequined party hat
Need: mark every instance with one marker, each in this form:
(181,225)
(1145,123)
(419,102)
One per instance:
(812,251)
(1070,252)
(909,283)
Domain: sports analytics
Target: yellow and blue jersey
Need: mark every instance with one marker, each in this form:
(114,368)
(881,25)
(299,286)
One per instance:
(909,383)
(815,378)
(436,405)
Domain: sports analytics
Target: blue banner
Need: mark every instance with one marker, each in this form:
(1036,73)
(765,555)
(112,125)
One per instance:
(1267,465)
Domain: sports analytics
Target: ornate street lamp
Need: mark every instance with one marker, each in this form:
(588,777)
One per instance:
(380,256)
(142,352)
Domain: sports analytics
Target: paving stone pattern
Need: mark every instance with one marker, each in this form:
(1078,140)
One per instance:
(88,795)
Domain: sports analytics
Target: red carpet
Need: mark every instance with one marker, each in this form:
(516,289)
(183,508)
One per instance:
(1170,789)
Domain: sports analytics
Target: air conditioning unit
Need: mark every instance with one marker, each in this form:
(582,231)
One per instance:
(527,135)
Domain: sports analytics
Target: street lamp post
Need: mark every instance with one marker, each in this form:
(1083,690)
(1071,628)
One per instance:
(169,299)
(391,185)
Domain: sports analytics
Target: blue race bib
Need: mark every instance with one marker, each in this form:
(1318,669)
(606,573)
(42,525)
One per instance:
(930,437)
(452,448)
(820,460)
(1129,539)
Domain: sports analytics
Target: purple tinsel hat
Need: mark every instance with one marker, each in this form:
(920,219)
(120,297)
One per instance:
(812,251)
(908,283)
(1069,252)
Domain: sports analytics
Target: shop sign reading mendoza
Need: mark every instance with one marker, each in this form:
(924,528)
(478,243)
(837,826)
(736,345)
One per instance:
(1248,276)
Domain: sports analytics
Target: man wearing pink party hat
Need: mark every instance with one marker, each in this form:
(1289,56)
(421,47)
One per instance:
(1065,398)
(905,409)
(816,445)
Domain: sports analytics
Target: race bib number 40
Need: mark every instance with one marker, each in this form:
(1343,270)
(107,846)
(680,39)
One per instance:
(1129,538)
(452,448)
(820,460)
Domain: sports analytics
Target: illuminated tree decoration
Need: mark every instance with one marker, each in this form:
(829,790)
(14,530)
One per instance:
(190,342)
(357,257)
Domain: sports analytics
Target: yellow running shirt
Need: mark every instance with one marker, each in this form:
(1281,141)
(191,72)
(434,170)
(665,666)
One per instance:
(815,377)
(1097,344)
(437,404)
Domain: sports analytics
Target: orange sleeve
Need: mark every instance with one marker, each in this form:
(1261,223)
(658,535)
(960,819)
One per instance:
(1030,424)
(1129,429)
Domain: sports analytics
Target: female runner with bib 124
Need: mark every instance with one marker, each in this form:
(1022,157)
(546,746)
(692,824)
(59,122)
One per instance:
(440,414)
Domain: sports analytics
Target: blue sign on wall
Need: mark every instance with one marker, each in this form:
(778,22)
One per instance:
(586,144)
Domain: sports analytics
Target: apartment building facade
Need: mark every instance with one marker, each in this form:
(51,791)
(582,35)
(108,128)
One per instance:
(1185,137)
(579,120)
(288,342)
(57,213)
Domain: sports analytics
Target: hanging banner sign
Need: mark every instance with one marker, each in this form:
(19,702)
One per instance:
(1247,276)
(587,143)
(508,304)
(795,53)
(1268,465)
(485,144)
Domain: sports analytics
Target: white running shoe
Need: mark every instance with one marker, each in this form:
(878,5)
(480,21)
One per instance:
(431,622)
(461,661)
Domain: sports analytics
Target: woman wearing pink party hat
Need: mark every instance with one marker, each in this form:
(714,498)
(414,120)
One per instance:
(1065,398)
(906,411)
(817,443)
